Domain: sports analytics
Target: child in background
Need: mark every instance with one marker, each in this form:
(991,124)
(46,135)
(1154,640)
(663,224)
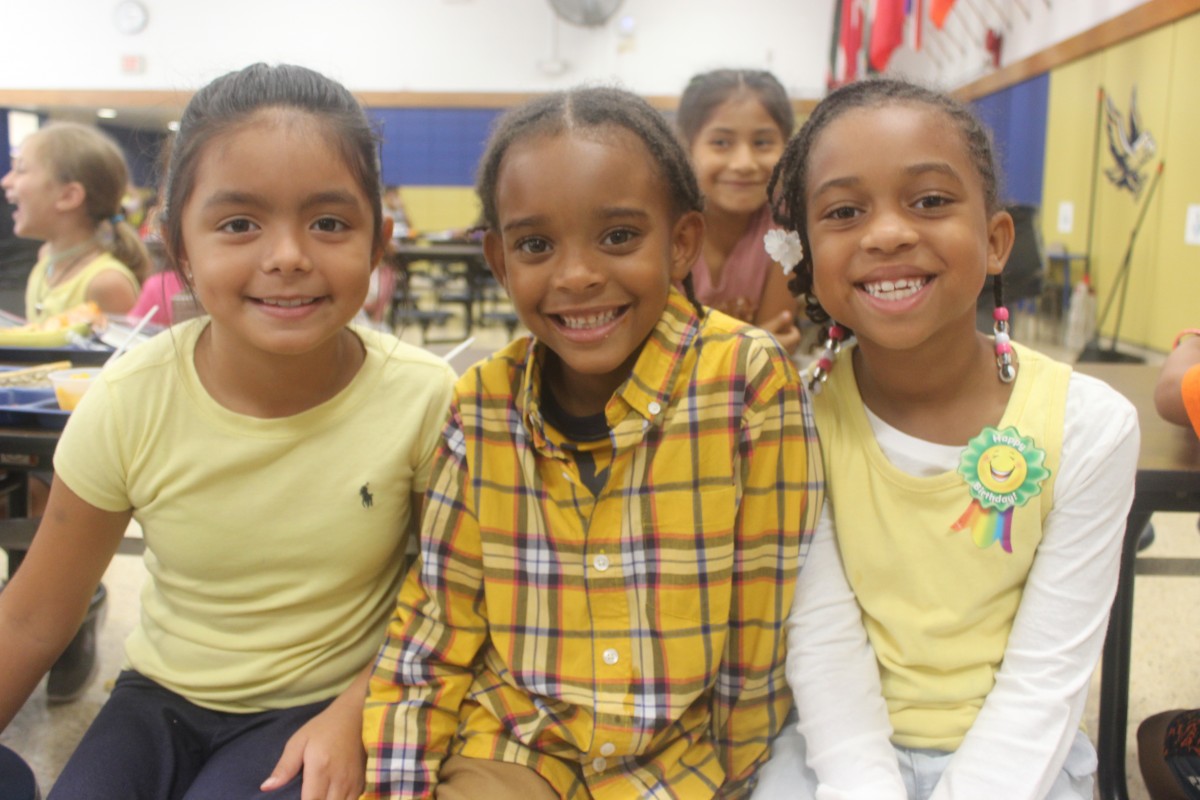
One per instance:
(272,455)
(735,124)
(1177,393)
(67,184)
(158,293)
(619,507)
(977,489)
(1169,741)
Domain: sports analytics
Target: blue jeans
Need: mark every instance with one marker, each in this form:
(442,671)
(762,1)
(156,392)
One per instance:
(787,776)
(148,743)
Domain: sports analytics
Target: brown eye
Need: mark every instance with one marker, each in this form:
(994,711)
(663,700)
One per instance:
(620,236)
(240,225)
(534,245)
(330,225)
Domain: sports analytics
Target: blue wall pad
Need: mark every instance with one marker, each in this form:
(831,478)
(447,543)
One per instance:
(5,144)
(1017,117)
(432,146)
(142,152)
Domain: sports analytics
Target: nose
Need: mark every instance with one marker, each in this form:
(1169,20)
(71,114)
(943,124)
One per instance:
(742,157)
(575,273)
(889,232)
(7,180)
(286,253)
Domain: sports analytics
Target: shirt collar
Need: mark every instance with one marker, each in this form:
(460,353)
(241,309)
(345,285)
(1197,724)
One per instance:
(646,391)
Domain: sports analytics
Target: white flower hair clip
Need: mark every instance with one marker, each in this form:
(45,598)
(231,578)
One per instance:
(784,247)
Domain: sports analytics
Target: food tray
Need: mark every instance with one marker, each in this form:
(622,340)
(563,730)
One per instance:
(89,351)
(19,337)
(28,407)
(92,356)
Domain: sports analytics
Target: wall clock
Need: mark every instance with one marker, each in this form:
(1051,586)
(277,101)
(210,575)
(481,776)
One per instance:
(131,16)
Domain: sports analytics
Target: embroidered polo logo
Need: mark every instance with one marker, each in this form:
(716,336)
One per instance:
(368,499)
(1003,470)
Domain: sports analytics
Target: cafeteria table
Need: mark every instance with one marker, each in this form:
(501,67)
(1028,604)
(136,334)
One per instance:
(1168,479)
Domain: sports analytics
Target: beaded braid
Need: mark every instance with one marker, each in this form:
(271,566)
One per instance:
(588,108)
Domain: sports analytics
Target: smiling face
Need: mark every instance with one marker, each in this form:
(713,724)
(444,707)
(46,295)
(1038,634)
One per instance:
(32,188)
(278,236)
(734,153)
(587,248)
(900,235)
(1002,469)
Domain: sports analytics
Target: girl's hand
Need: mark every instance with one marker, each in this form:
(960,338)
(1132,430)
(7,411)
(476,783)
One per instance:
(330,750)
(783,328)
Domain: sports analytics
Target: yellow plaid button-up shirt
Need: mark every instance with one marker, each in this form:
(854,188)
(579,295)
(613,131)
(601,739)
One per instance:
(628,644)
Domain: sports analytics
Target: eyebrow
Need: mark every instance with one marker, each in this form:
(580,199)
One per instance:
(755,131)
(913,170)
(615,212)
(235,197)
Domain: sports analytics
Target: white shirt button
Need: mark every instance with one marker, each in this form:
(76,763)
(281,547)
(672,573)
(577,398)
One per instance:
(607,749)
(599,764)
(611,656)
(566,475)
(600,562)
(654,407)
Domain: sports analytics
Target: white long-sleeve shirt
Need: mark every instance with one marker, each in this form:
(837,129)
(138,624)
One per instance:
(1020,739)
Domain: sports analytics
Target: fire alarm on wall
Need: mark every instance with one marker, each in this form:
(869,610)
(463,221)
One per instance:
(131,16)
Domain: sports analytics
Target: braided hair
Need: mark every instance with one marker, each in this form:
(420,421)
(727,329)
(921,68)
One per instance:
(788,183)
(593,108)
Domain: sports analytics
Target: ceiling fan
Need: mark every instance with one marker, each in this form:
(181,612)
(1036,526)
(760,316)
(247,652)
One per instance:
(585,13)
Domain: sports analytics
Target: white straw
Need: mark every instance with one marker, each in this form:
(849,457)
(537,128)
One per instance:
(132,335)
(463,346)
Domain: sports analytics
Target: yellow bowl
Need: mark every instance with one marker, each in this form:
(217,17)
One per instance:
(70,384)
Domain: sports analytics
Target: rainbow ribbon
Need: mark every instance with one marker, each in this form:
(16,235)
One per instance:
(987,526)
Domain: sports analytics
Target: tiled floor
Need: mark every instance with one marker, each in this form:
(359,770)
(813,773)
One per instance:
(1165,648)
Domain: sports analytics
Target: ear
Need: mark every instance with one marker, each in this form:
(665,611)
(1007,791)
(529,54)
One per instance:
(71,196)
(385,235)
(1001,235)
(493,251)
(687,236)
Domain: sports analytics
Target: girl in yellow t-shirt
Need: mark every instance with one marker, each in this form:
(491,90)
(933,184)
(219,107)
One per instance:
(67,183)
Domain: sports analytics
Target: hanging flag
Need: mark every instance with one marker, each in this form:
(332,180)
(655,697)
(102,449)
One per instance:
(835,46)
(852,36)
(887,32)
(938,11)
(916,12)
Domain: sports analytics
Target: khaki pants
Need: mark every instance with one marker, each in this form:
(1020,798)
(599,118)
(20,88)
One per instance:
(463,778)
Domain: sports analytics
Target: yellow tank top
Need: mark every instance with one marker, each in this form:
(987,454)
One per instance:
(939,571)
(42,301)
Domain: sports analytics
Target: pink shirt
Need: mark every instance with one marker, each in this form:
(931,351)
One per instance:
(158,290)
(739,287)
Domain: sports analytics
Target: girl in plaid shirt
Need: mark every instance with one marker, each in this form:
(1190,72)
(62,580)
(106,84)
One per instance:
(619,507)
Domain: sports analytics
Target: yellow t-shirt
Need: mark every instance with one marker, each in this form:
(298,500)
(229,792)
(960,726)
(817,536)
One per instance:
(939,586)
(274,546)
(42,301)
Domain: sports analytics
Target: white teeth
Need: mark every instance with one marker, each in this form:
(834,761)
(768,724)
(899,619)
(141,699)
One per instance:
(895,290)
(294,303)
(589,321)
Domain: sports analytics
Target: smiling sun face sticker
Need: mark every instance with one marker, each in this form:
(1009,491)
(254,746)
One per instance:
(1003,468)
